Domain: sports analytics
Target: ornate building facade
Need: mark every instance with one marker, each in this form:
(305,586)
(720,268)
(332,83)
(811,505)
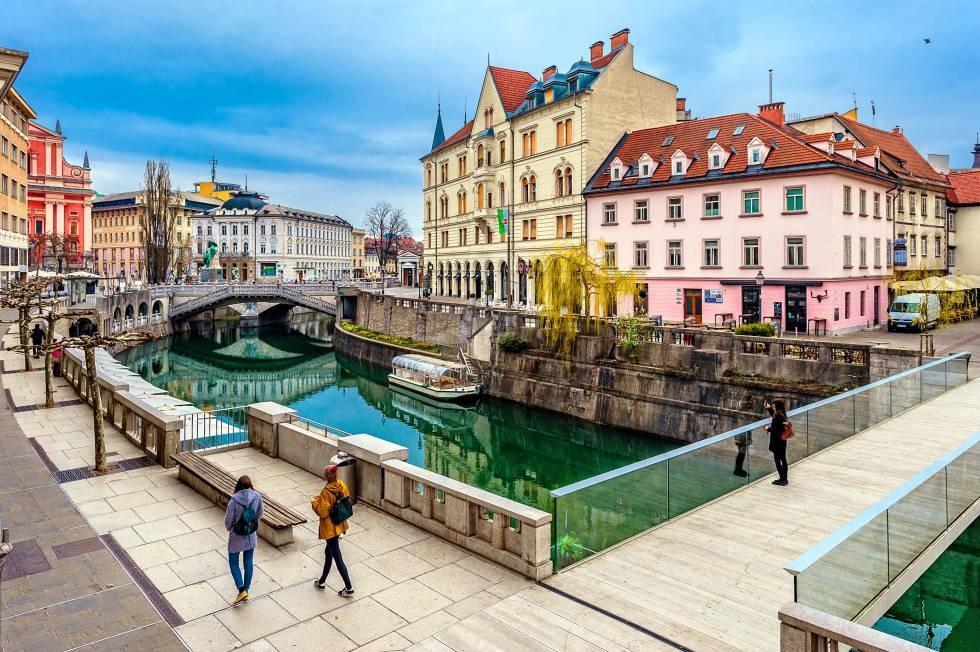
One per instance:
(531,148)
(15,115)
(267,242)
(59,197)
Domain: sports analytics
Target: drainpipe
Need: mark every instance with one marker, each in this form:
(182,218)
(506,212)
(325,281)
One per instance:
(585,204)
(510,222)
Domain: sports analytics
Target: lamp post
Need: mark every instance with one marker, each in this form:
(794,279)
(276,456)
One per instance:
(760,279)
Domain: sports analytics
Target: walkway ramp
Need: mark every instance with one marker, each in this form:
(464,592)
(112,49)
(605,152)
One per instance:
(714,578)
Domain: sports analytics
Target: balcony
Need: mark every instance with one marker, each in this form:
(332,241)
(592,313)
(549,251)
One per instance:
(484,213)
(483,173)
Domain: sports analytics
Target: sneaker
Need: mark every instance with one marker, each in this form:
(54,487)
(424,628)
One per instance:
(780,483)
(242,597)
(319,585)
(742,473)
(345,593)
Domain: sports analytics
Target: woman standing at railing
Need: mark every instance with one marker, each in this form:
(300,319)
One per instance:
(777,409)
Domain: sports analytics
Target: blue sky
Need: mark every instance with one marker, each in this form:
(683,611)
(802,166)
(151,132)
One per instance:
(328,105)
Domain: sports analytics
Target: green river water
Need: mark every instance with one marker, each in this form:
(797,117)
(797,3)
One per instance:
(514,451)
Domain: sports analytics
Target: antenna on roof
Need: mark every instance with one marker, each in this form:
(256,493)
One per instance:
(488,59)
(465,99)
(854,99)
(246,182)
(874,114)
(214,164)
(770,85)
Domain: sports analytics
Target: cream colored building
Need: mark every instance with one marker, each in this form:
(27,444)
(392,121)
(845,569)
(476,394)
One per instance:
(15,114)
(964,219)
(116,234)
(531,148)
(357,253)
(917,204)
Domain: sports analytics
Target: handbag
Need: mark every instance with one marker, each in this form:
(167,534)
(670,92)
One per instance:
(342,510)
(788,431)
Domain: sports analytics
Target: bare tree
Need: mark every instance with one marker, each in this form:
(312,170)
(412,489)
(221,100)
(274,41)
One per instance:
(23,295)
(387,226)
(61,251)
(158,232)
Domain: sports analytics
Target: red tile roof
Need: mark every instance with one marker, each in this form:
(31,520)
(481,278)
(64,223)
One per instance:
(457,137)
(606,59)
(817,138)
(966,187)
(787,148)
(901,154)
(511,86)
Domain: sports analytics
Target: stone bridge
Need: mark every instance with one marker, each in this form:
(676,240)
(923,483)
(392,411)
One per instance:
(202,298)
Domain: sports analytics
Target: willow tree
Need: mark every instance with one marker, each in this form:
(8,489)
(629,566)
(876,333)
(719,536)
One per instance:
(578,289)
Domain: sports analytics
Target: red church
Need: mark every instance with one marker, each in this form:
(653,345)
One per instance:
(59,203)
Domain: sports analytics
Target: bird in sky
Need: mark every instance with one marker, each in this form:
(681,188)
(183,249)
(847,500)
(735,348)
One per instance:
(927,40)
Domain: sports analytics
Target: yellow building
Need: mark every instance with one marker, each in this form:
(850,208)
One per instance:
(15,115)
(531,148)
(217,189)
(357,253)
(116,233)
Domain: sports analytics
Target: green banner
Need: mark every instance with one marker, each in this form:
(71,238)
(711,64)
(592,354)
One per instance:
(502,217)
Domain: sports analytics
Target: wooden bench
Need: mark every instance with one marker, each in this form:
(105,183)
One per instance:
(217,485)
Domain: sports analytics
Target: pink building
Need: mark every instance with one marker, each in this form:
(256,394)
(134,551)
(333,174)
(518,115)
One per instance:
(742,217)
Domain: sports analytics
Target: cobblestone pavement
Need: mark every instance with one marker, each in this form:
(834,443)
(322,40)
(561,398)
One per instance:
(61,587)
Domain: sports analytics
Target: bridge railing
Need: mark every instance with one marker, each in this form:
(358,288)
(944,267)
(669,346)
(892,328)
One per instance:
(214,428)
(845,572)
(598,512)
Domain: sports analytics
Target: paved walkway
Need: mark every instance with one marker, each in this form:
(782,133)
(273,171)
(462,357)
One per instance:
(714,580)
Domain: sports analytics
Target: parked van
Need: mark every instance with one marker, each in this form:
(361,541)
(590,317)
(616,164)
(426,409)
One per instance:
(918,311)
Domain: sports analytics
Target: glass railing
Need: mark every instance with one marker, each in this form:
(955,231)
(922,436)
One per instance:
(598,512)
(846,571)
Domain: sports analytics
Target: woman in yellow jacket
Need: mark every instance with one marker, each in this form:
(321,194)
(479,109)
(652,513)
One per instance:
(330,532)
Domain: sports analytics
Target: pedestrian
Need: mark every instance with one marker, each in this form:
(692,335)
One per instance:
(777,409)
(333,506)
(742,443)
(37,339)
(242,523)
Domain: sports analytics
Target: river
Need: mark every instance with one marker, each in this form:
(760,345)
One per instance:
(506,448)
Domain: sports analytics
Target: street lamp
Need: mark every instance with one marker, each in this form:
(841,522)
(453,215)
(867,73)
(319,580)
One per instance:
(760,279)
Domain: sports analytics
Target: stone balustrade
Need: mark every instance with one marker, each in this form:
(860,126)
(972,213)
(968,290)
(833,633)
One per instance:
(804,629)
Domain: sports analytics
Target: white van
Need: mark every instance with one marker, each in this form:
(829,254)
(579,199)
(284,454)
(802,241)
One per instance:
(919,311)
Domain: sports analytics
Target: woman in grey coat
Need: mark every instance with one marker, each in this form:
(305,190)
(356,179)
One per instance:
(242,523)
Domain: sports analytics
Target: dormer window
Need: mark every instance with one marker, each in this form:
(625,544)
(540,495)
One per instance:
(716,157)
(678,167)
(755,155)
(678,163)
(645,170)
(616,170)
(715,161)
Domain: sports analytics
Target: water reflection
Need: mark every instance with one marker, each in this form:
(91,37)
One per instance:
(509,449)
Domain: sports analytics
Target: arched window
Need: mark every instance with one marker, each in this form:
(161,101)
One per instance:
(525,196)
(479,155)
(491,117)
(559,184)
(568,181)
(503,151)
(479,194)
(501,198)
(533,188)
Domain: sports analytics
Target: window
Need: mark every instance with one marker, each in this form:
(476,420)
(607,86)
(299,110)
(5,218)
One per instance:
(675,208)
(529,143)
(755,156)
(640,213)
(877,252)
(560,134)
(847,305)
(711,258)
(501,195)
(876,204)
(925,205)
(862,201)
(925,246)
(674,258)
(616,171)
(503,151)
(863,297)
(939,246)
(911,203)
(480,155)
(911,244)
(750,202)
(750,252)
(794,199)
(863,252)
(529,229)
(715,161)
(939,207)
(224,229)
(847,251)
(795,250)
(738,130)
(645,169)
(563,226)
(678,167)
(888,206)
(712,205)
(480,194)
(667,141)
(560,190)
(888,253)
(847,199)
(609,254)
(712,134)
(609,213)
(640,254)
(568,181)
(951,257)
(900,198)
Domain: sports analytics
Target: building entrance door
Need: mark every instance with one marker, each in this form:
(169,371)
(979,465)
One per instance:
(876,310)
(751,304)
(795,309)
(692,305)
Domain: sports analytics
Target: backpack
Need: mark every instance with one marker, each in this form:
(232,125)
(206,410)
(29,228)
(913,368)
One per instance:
(788,431)
(248,523)
(342,510)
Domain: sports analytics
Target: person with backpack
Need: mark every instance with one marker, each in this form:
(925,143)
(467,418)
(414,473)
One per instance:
(333,506)
(780,430)
(242,523)
(37,339)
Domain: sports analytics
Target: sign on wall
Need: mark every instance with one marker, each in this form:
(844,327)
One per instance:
(268,269)
(712,296)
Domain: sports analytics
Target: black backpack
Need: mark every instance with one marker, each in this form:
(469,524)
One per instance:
(342,510)
(248,523)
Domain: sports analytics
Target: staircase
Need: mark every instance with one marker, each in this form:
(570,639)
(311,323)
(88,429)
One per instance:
(474,372)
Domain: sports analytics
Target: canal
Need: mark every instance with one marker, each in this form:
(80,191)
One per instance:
(511,450)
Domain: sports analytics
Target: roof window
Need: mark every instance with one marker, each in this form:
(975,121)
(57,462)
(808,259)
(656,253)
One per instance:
(667,141)
(738,130)
(712,134)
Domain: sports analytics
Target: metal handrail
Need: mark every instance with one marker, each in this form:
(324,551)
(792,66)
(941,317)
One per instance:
(850,528)
(684,450)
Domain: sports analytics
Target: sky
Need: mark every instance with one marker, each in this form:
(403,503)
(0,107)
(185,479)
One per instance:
(328,105)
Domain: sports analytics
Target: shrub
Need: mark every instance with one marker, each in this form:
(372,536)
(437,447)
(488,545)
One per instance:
(512,343)
(628,333)
(407,342)
(757,329)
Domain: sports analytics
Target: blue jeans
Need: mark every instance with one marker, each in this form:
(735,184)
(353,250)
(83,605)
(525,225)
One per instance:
(236,572)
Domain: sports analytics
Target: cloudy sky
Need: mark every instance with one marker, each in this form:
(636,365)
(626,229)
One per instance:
(328,105)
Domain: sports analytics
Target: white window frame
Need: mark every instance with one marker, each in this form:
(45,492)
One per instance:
(801,245)
(641,248)
(711,252)
(675,252)
(751,251)
(609,209)
(641,210)
(675,210)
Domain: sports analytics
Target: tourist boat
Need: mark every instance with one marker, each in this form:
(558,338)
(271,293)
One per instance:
(432,377)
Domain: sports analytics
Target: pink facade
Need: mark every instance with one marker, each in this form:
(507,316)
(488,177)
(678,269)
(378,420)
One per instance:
(700,241)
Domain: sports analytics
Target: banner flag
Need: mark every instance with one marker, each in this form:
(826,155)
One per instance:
(502,217)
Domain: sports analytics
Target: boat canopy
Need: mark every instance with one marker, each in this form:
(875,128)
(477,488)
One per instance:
(423,365)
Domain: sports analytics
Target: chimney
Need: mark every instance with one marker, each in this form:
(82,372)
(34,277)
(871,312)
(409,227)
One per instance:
(897,130)
(773,112)
(595,51)
(548,73)
(681,103)
(619,39)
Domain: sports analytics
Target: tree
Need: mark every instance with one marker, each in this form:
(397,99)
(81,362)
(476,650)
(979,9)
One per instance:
(61,250)
(23,295)
(387,226)
(158,224)
(577,290)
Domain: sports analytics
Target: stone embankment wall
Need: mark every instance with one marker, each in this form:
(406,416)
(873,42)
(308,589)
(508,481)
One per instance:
(425,321)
